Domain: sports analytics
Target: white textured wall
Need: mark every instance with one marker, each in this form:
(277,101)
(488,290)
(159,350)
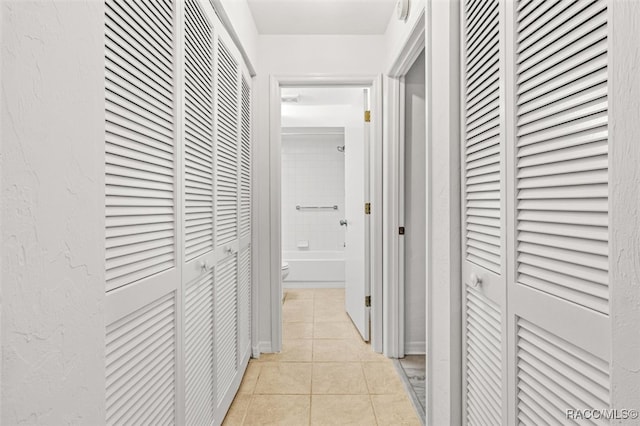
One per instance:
(295,56)
(52,212)
(415,238)
(443,206)
(624,199)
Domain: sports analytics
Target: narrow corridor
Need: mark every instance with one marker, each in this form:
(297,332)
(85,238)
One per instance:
(325,374)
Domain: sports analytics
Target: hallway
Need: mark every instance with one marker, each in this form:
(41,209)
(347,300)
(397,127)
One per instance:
(325,374)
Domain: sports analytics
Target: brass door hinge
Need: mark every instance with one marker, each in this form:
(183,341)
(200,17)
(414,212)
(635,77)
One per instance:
(367,208)
(367,116)
(367,301)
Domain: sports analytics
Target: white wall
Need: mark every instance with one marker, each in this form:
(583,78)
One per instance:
(624,202)
(312,175)
(52,212)
(242,28)
(415,207)
(443,213)
(295,56)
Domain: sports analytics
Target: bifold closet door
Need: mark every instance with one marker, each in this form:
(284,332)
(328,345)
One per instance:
(483,215)
(199,272)
(178,213)
(244,258)
(142,214)
(535,197)
(227,116)
(559,296)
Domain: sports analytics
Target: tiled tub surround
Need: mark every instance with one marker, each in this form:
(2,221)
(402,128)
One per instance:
(325,374)
(312,175)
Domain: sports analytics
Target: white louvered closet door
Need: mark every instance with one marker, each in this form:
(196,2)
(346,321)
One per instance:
(142,213)
(483,214)
(559,296)
(244,257)
(227,139)
(199,215)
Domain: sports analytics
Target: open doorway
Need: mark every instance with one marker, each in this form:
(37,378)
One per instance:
(412,219)
(322,229)
(324,222)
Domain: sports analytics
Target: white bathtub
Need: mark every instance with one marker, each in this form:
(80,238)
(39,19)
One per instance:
(314,269)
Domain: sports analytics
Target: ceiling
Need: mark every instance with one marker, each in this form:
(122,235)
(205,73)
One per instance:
(322,16)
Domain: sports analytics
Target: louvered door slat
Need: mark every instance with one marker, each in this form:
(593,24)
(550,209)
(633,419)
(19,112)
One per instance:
(199,356)
(227,116)
(562,155)
(245,161)
(226,338)
(198,159)
(140,160)
(482,142)
(555,374)
(244,302)
(483,365)
(140,365)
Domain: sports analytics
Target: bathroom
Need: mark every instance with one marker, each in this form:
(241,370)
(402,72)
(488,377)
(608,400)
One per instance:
(319,125)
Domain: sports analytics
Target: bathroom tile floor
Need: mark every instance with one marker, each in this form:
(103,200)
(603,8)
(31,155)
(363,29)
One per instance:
(325,374)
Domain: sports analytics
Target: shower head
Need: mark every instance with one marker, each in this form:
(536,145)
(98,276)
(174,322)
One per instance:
(341,148)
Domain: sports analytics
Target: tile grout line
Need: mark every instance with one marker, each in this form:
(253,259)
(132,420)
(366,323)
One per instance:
(366,382)
(411,393)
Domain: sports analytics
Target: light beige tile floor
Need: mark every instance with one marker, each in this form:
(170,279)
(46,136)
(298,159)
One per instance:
(325,374)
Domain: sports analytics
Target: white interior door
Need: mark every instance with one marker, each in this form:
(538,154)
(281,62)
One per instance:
(357,287)
(483,216)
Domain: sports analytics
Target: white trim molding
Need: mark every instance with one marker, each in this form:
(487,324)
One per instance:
(393,189)
(415,348)
(443,316)
(411,49)
(376,199)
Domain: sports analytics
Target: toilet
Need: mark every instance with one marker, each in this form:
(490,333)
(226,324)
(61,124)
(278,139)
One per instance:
(285,270)
(285,274)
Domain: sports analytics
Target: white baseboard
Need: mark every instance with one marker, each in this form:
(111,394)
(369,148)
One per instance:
(313,284)
(263,347)
(415,348)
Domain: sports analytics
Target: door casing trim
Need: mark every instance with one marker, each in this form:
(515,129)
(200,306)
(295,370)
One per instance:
(275,260)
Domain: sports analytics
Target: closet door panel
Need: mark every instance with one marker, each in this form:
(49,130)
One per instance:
(483,220)
(140,162)
(199,351)
(142,211)
(226,336)
(560,297)
(198,134)
(199,213)
(141,365)
(244,265)
(245,160)
(227,140)
(229,271)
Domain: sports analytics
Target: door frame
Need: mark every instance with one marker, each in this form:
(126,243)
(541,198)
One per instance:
(395,146)
(375,196)
(439,28)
